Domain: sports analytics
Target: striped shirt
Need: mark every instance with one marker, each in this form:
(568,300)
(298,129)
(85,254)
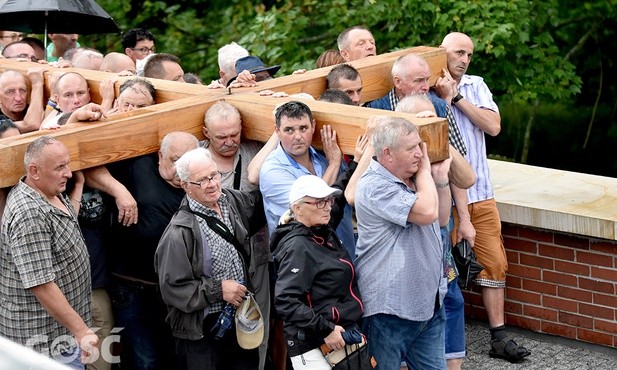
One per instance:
(476,92)
(40,244)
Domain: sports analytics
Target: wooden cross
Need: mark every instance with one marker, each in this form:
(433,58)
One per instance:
(181,107)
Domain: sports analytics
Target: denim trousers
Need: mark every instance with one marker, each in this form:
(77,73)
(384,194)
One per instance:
(455,321)
(419,343)
(146,341)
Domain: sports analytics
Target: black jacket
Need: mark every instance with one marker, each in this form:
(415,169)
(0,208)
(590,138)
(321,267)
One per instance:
(316,287)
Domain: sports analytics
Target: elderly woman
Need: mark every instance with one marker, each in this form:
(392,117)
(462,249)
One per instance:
(316,292)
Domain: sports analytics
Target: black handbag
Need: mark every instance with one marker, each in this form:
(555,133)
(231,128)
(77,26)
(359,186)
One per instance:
(466,263)
(360,359)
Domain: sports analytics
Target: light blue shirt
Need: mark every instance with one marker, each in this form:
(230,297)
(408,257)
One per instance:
(399,264)
(278,173)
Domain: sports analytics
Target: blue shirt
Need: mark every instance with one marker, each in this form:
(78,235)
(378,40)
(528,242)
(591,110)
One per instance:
(399,264)
(278,173)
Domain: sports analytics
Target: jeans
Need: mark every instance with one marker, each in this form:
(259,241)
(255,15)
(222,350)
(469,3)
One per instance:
(145,339)
(419,343)
(455,321)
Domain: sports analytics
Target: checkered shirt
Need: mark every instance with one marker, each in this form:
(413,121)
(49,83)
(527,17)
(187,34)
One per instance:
(226,262)
(40,244)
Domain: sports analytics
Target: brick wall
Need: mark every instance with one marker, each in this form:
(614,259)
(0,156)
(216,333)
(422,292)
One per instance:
(559,284)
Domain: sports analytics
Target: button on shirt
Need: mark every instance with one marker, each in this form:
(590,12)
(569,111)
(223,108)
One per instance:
(399,264)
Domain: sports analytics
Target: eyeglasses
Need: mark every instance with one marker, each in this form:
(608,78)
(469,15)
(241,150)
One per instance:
(205,182)
(322,202)
(25,56)
(13,37)
(145,50)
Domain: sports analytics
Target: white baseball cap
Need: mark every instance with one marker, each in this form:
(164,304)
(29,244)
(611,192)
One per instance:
(310,186)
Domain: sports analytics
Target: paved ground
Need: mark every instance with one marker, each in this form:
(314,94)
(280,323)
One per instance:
(547,352)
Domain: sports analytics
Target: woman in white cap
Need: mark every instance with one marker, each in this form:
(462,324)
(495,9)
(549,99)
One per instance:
(316,292)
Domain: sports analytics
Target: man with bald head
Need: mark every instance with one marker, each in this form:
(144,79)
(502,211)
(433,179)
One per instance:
(356,43)
(118,63)
(60,43)
(477,214)
(14,98)
(19,49)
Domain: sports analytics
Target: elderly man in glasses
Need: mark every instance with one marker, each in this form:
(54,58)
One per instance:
(138,44)
(15,98)
(202,264)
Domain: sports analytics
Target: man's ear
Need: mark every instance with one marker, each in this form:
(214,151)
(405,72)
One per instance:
(345,55)
(204,129)
(160,156)
(33,171)
(396,81)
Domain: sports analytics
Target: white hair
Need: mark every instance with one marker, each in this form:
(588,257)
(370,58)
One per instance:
(182,165)
(228,55)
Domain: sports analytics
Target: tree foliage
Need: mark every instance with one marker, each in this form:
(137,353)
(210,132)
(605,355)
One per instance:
(530,52)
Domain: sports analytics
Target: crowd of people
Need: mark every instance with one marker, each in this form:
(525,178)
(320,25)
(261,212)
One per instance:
(160,250)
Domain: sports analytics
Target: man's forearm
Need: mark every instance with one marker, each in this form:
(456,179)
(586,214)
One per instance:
(54,302)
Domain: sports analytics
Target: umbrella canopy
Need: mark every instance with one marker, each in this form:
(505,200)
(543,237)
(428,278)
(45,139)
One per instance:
(84,17)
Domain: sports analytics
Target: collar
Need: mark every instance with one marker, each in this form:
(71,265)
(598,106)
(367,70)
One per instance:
(292,161)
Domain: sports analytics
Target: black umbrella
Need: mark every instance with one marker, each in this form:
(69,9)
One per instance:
(84,17)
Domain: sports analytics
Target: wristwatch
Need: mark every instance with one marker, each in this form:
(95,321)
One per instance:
(457,98)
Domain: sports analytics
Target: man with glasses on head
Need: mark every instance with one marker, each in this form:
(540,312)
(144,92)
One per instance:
(7,37)
(138,43)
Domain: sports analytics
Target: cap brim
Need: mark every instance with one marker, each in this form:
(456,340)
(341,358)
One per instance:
(271,70)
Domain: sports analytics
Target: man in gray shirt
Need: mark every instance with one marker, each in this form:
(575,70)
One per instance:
(401,200)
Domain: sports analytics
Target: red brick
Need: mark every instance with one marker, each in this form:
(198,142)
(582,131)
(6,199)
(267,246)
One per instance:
(559,329)
(596,311)
(540,313)
(576,294)
(560,304)
(572,241)
(557,252)
(513,281)
(535,261)
(594,337)
(603,246)
(512,256)
(576,320)
(596,285)
(523,296)
(540,287)
(594,259)
(513,307)
(605,300)
(534,234)
(572,268)
(603,273)
(509,229)
(479,313)
(523,322)
(520,245)
(606,326)
(473,298)
(524,271)
(559,278)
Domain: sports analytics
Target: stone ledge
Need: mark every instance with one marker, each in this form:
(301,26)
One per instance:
(556,200)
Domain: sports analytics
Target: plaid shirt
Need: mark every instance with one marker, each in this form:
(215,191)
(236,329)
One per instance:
(226,262)
(454,134)
(40,244)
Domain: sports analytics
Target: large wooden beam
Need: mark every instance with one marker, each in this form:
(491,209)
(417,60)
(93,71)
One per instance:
(181,107)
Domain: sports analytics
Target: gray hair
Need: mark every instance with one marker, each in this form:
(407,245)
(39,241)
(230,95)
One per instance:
(401,65)
(409,103)
(228,55)
(220,111)
(196,155)
(389,131)
(343,38)
(35,149)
